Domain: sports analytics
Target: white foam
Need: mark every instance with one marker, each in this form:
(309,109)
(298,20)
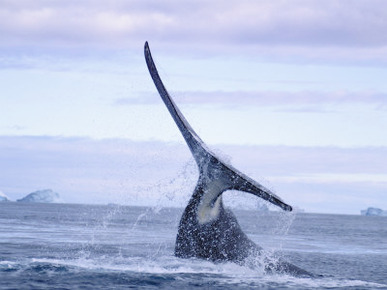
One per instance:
(229,273)
(7,263)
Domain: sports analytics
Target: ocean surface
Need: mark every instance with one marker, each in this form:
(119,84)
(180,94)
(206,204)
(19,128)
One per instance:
(68,246)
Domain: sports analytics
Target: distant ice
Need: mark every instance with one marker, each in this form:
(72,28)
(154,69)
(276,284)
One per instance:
(42,196)
(372,211)
(3,197)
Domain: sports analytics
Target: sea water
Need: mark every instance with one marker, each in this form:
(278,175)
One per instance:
(69,246)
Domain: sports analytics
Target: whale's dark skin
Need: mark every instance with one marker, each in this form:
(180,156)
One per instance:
(207,230)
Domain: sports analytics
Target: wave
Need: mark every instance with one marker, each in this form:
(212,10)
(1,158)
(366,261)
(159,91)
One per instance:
(163,272)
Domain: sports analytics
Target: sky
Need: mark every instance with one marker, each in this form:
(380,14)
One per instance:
(293,93)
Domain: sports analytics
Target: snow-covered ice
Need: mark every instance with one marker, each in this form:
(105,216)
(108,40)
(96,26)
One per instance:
(372,211)
(3,197)
(44,196)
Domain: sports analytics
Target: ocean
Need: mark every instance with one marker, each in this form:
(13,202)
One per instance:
(72,246)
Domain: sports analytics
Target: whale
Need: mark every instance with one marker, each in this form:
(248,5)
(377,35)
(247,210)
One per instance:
(207,229)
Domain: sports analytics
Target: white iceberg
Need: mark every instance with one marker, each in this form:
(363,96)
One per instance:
(42,196)
(3,197)
(373,211)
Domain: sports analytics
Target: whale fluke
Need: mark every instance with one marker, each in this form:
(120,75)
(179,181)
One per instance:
(207,230)
(211,167)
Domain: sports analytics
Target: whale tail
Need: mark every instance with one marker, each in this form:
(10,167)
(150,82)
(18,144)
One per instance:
(212,169)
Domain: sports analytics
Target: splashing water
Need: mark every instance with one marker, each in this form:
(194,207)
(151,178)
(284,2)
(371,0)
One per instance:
(68,246)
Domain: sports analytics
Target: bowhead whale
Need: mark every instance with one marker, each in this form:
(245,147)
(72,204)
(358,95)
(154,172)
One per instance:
(208,230)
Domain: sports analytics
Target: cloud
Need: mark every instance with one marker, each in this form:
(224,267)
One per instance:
(305,100)
(85,170)
(294,161)
(299,29)
(155,173)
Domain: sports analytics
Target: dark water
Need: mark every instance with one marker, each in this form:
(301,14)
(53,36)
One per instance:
(63,246)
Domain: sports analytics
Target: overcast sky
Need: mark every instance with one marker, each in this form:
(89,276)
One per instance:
(294,93)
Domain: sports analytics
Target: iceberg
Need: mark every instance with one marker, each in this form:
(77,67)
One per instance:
(3,197)
(42,196)
(373,211)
